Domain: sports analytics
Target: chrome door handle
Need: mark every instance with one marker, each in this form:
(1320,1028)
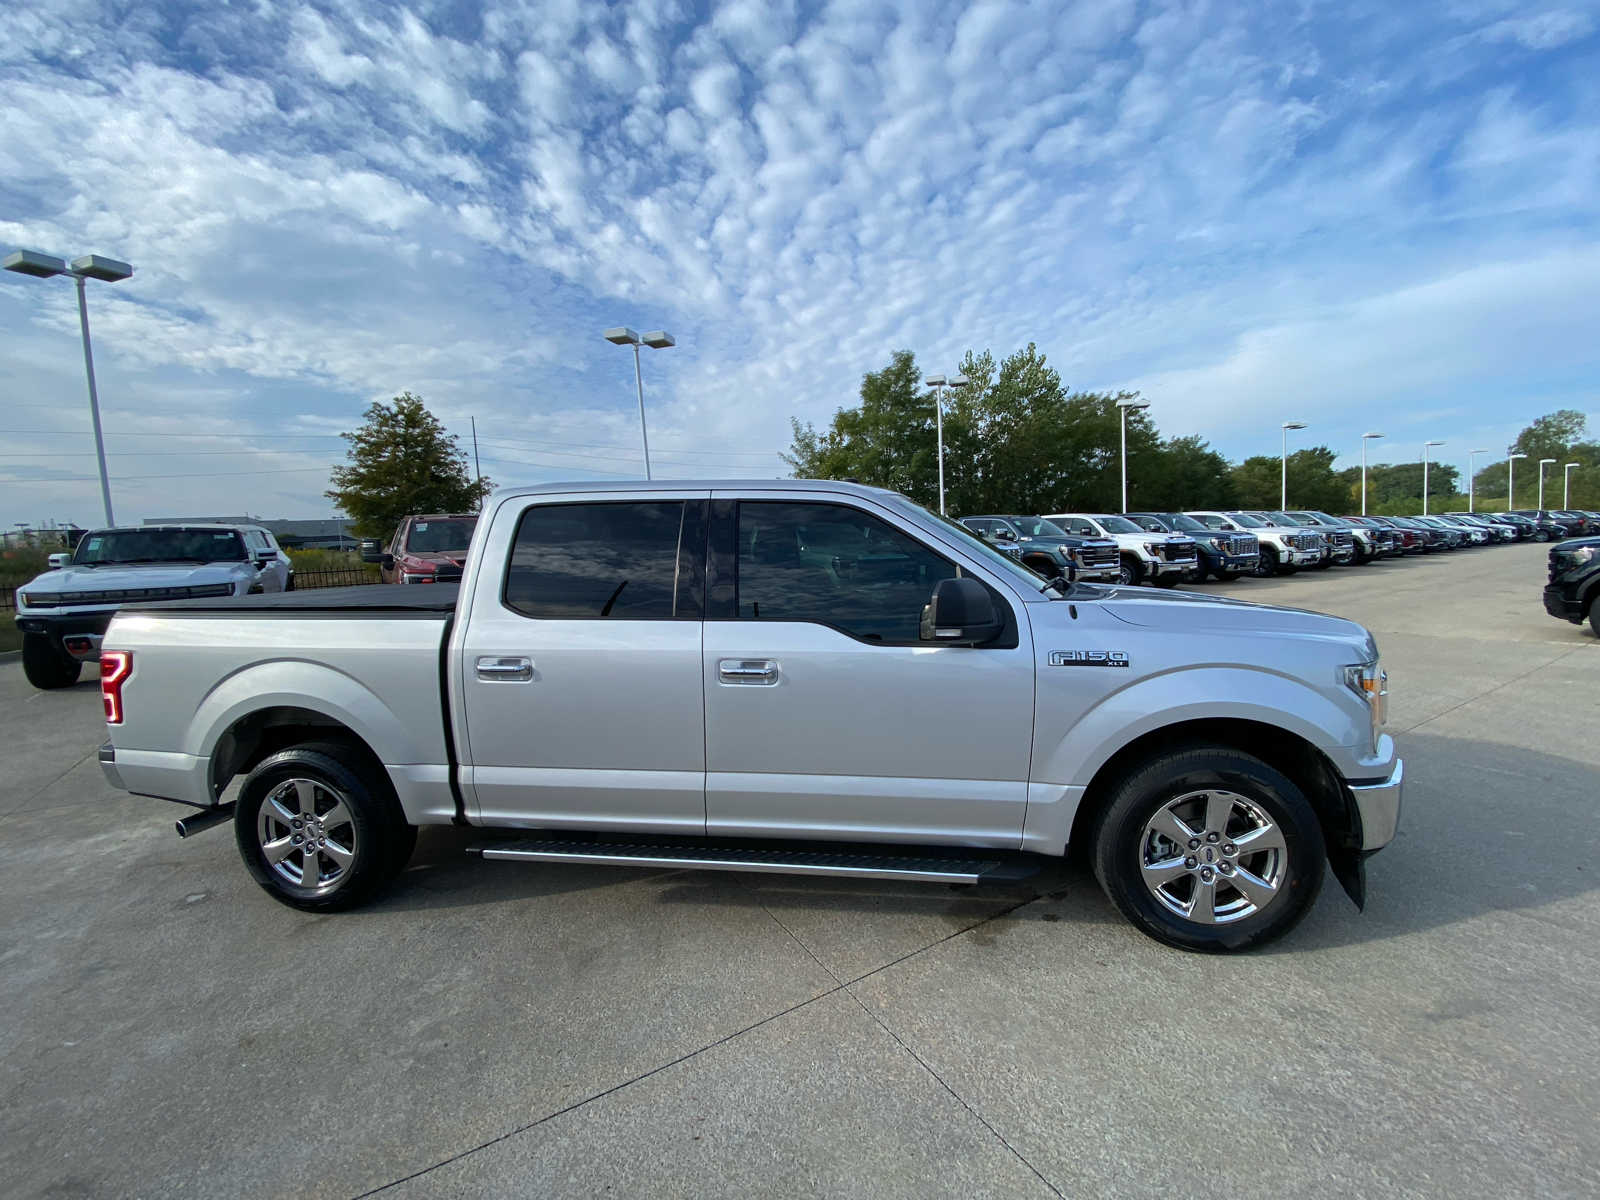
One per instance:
(747,670)
(498,669)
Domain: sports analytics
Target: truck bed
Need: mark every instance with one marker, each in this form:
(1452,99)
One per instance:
(367,598)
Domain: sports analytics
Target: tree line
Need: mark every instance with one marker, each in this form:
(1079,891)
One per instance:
(1017,440)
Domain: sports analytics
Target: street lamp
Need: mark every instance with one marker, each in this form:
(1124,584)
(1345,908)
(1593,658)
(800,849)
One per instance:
(1283,500)
(1125,405)
(1542,463)
(1511,479)
(938,383)
(624,336)
(1364,439)
(1425,446)
(1472,479)
(1566,485)
(90,266)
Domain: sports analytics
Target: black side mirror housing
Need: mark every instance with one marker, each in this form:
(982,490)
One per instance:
(372,550)
(961,613)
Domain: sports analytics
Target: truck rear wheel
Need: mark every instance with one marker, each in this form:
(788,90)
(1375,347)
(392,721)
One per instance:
(46,665)
(1209,849)
(320,828)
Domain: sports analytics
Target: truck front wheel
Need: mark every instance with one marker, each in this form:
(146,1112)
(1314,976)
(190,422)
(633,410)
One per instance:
(46,665)
(1131,571)
(1209,849)
(320,828)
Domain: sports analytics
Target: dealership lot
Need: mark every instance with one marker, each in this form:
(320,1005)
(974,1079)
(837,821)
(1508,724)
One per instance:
(497,1029)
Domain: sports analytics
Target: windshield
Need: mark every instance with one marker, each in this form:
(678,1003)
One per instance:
(1118,525)
(1184,524)
(975,545)
(1039,527)
(1150,524)
(1247,520)
(441,537)
(205,544)
(1284,519)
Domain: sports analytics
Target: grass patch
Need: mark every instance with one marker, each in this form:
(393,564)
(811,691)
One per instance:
(10,635)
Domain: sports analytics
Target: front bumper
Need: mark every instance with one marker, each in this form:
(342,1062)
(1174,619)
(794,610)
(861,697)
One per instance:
(1215,560)
(1558,603)
(1301,558)
(77,634)
(1379,806)
(1098,574)
(1162,567)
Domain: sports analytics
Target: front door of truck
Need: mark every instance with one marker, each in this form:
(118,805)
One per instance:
(581,670)
(826,715)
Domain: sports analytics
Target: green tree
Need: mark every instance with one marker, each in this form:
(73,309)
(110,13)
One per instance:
(1395,489)
(1559,435)
(1312,481)
(402,462)
(1185,473)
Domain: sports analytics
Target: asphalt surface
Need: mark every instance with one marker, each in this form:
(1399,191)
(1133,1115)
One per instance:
(498,1029)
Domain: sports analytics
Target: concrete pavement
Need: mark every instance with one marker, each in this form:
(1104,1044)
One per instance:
(493,1029)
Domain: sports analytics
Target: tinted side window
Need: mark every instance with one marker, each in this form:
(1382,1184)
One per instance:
(836,565)
(615,562)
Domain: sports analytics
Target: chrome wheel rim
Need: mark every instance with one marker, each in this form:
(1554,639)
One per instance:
(306,834)
(1213,857)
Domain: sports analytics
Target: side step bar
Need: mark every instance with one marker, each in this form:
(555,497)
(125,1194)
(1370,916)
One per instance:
(779,862)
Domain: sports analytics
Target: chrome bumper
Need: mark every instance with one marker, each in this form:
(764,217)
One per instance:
(1379,806)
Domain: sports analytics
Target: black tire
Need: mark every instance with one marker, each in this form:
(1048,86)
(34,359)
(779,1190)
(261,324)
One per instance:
(1250,791)
(1131,572)
(1594,617)
(47,666)
(289,586)
(371,831)
(1542,536)
(1167,581)
(1227,576)
(1266,563)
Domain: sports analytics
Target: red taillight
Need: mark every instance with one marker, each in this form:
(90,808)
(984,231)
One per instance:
(115,667)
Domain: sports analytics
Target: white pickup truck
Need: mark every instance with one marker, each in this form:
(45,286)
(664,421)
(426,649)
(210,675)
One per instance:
(796,676)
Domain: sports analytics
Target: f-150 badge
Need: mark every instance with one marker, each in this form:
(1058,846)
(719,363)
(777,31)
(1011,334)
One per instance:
(1088,658)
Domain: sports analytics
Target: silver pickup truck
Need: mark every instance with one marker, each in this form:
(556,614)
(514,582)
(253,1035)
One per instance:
(791,676)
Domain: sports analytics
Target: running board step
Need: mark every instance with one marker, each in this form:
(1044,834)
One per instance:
(779,862)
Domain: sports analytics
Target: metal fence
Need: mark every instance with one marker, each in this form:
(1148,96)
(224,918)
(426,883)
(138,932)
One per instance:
(303,580)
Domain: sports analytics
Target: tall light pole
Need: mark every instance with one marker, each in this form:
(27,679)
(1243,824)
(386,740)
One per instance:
(1542,463)
(938,383)
(1125,405)
(1283,500)
(1472,480)
(1365,437)
(90,266)
(1425,447)
(623,336)
(1566,484)
(1511,480)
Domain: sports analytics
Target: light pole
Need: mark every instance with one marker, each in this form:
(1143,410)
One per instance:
(1125,405)
(1511,479)
(1283,500)
(938,383)
(1425,446)
(1542,463)
(624,336)
(1566,484)
(90,266)
(1365,437)
(1472,480)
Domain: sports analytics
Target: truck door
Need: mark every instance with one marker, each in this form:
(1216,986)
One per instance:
(826,715)
(581,668)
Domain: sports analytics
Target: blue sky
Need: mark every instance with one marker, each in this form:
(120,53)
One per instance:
(1363,216)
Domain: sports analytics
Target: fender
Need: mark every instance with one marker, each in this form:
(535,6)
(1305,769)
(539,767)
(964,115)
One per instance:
(1190,694)
(297,683)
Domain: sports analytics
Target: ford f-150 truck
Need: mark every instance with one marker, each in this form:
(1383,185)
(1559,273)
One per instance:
(794,676)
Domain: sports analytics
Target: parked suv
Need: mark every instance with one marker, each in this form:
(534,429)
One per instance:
(1282,550)
(1574,586)
(1500,529)
(63,613)
(1366,541)
(1225,555)
(1045,547)
(1163,559)
(1547,526)
(426,549)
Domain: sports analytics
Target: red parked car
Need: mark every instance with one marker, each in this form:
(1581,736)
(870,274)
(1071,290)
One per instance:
(425,549)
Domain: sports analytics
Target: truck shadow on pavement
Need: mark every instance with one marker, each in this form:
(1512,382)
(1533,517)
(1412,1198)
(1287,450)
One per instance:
(1486,828)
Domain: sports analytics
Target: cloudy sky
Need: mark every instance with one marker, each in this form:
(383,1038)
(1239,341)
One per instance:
(1361,215)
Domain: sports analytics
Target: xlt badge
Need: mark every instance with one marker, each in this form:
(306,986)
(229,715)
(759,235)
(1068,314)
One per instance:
(1088,658)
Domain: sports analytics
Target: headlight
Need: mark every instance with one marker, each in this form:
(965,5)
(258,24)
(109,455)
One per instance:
(1370,682)
(1582,554)
(1153,549)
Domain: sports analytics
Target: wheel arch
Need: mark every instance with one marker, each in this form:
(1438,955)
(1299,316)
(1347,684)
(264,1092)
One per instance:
(263,732)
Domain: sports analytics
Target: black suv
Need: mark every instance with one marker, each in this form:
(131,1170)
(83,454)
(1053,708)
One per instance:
(1547,526)
(1045,547)
(1225,555)
(1574,585)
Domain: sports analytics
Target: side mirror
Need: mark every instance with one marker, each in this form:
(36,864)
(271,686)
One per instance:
(372,550)
(961,613)
(1004,535)
(57,561)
